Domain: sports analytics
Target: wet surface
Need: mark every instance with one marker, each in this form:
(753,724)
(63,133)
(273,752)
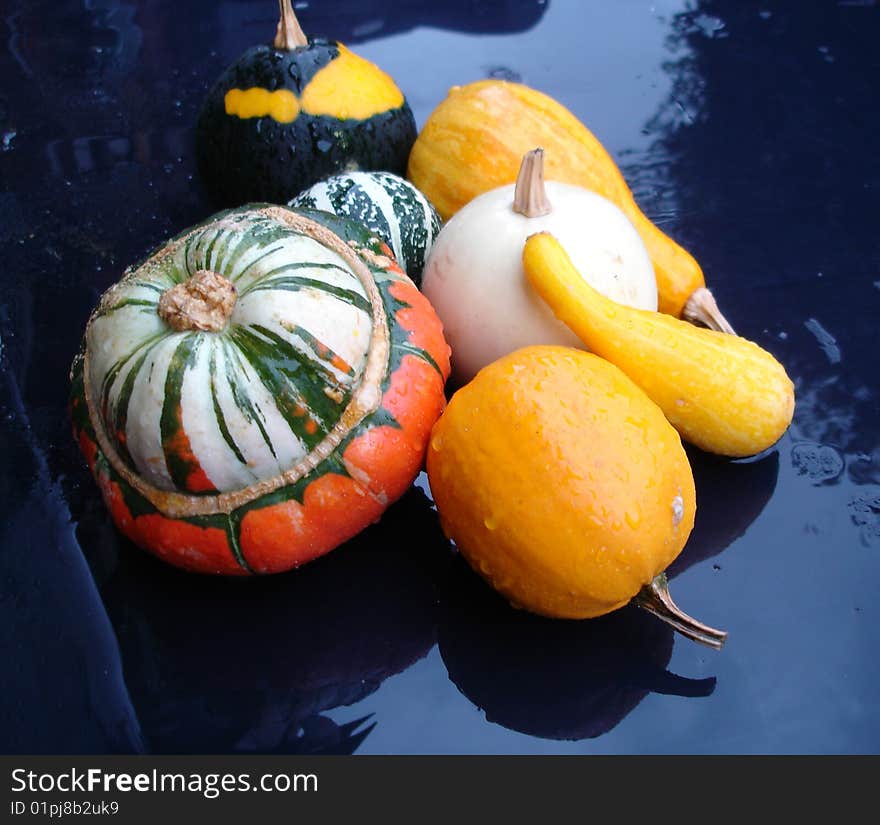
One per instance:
(747,131)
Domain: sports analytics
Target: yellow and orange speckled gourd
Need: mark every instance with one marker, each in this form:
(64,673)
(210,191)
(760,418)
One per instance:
(475,139)
(723,393)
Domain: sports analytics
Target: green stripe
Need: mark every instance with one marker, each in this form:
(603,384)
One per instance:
(149,285)
(186,248)
(131,302)
(292,380)
(318,347)
(171,420)
(317,371)
(248,410)
(233,529)
(419,352)
(203,239)
(257,260)
(122,403)
(113,373)
(260,234)
(209,252)
(295,283)
(296,265)
(218,411)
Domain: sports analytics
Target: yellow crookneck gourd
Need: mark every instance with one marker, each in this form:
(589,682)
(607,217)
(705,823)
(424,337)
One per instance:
(474,141)
(721,392)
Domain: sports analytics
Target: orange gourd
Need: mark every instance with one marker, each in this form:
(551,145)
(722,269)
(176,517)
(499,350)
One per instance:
(475,139)
(564,486)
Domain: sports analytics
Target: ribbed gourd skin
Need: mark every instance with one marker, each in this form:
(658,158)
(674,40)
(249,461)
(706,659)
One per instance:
(211,448)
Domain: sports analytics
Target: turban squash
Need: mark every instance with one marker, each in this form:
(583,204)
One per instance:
(258,390)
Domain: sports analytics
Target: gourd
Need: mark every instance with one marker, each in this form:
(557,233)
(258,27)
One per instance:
(386,204)
(258,390)
(565,487)
(473,141)
(723,393)
(474,276)
(285,115)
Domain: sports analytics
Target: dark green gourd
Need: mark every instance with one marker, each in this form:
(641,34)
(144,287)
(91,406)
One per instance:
(388,205)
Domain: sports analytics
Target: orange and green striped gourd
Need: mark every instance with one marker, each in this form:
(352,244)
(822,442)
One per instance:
(258,390)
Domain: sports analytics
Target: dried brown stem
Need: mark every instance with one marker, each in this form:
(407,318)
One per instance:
(655,598)
(702,309)
(288,35)
(530,195)
(203,302)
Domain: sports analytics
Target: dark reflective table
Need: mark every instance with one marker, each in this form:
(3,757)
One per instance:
(747,131)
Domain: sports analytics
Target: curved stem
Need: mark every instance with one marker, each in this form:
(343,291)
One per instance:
(701,308)
(288,35)
(655,598)
(530,196)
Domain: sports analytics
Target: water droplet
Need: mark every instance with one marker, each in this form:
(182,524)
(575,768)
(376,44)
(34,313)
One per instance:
(6,140)
(324,146)
(490,522)
(503,73)
(677,510)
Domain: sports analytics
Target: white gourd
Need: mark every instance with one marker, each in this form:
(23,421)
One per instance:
(474,276)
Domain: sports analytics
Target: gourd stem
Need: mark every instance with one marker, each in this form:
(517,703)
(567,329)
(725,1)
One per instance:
(655,598)
(530,196)
(288,35)
(701,308)
(204,302)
